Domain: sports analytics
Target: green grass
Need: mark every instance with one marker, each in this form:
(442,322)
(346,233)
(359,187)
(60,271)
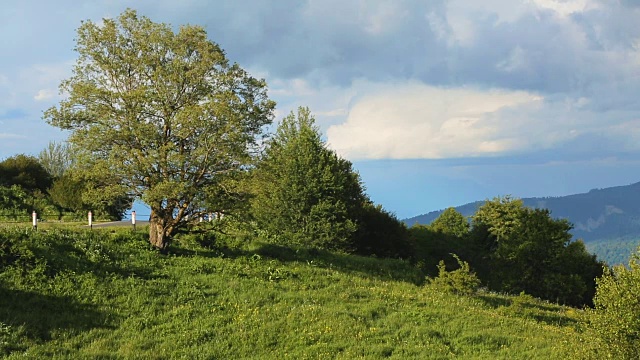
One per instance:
(43,225)
(105,294)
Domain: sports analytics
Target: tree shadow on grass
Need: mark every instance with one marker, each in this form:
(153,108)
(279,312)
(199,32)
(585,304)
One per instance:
(493,302)
(380,268)
(67,257)
(40,315)
(207,251)
(553,319)
(547,314)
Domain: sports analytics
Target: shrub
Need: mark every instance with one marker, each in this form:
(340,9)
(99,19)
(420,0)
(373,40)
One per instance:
(615,321)
(13,247)
(380,233)
(461,281)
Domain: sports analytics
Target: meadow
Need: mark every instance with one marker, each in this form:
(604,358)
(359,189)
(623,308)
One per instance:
(105,294)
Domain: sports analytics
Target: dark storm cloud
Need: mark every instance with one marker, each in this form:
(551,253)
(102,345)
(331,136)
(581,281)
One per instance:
(584,63)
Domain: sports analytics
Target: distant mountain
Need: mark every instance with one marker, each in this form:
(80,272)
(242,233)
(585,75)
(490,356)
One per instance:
(605,219)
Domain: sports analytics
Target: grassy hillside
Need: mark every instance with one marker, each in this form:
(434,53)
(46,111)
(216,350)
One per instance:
(103,294)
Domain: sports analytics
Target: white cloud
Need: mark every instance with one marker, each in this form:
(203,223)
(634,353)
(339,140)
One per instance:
(329,103)
(419,121)
(292,87)
(566,7)
(45,94)
(333,112)
(463,31)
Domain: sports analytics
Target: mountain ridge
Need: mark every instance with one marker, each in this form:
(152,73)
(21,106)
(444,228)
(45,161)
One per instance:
(600,216)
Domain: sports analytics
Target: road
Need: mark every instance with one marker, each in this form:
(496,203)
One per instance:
(124,223)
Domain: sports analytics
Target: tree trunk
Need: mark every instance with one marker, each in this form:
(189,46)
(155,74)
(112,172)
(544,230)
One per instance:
(158,235)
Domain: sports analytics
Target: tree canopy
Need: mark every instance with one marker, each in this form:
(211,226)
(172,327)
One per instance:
(24,171)
(616,319)
(304,191)
(306,194)
(163,113)
(523,249)
(451,222)
(57,158)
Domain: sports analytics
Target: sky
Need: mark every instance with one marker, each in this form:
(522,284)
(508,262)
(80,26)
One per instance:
(436,103)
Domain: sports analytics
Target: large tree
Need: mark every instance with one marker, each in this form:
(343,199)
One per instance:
(523,249)
(163,112)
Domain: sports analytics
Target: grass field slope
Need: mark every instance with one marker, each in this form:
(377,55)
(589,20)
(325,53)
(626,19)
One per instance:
(104,294)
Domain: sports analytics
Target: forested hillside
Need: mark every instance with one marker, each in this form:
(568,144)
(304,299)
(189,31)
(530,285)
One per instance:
(607,220)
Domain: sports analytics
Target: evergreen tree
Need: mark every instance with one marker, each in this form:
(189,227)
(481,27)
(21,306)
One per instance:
(304,192)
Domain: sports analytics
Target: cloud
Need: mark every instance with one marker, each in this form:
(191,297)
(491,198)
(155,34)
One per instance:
(11,136)
(563,72)
(45,94)
(557,71)
(418,121)
(328,103)
(566,7)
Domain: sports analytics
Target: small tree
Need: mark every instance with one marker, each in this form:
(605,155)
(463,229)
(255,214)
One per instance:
(451,222)
(57,158)
(304,192)
(25,171)
(15,203)
(78,191)
(496,221)
(162,113)
(449,233)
